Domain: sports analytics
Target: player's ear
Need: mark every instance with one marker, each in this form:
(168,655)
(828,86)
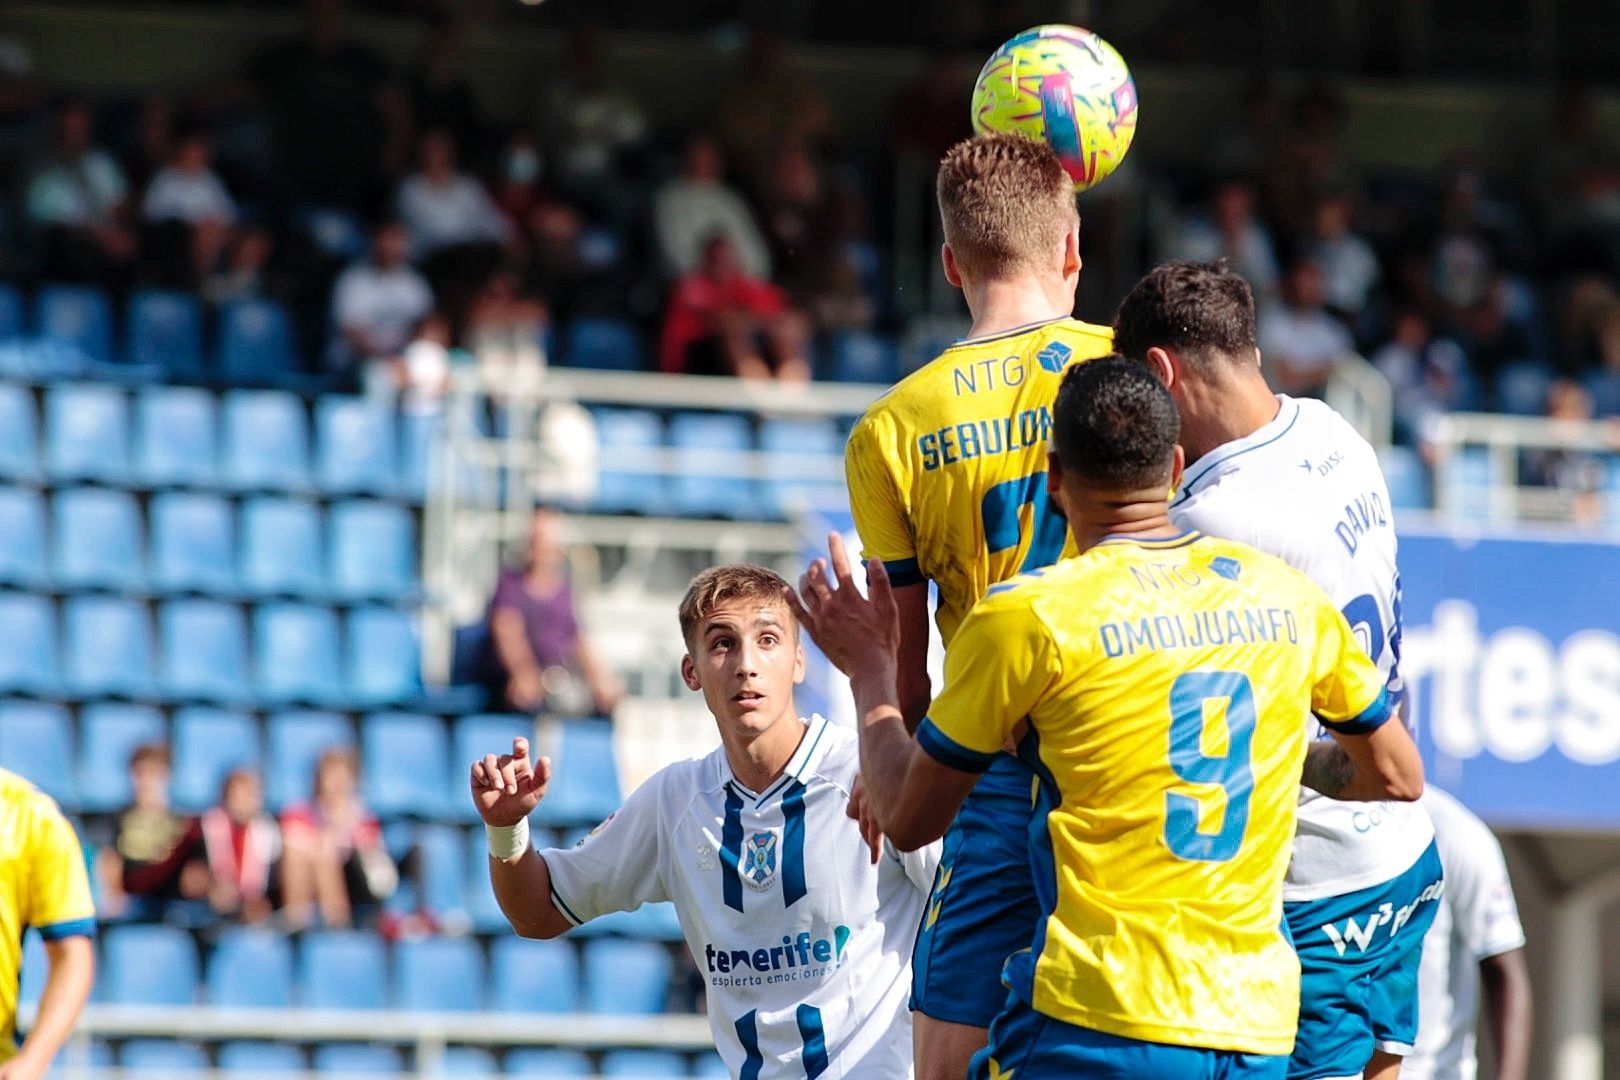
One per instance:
(1162,365)
(1071,251)
(1178,467)
(689,673)
(798,660)
(953,273)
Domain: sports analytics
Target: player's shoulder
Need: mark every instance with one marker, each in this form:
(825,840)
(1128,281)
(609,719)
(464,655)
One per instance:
(24,804)
(836,761)
(1453,820)
(1248,566)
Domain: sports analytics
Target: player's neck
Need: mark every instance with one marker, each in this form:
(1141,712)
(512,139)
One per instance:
(1004,304)
(1216,415)
(758,759)
(1143,515)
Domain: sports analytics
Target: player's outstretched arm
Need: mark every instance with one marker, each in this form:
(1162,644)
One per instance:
(72,969)
(1380,764)
(1506,978)
(506,789)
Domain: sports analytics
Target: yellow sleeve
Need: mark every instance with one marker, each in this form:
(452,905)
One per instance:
(998,667)
(1348,693)
(57,897)
(874,500)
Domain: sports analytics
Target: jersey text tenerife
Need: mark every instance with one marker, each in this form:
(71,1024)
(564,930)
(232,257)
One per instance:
(804,944)
(1163,681)
(43,886)
(947,471)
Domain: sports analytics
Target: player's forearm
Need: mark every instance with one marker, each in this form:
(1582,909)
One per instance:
(1366,768)
(1506,980)
(887,749)
(512,642)
(523,890)
(72,963)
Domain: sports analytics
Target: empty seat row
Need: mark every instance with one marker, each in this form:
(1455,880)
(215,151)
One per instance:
(249,440)
(95,538)
(163,331)
(301,653)
(411,764)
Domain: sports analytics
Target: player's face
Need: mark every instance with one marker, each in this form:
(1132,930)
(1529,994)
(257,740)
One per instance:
(746,658)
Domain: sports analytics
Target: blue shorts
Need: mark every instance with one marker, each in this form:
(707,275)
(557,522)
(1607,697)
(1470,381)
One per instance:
(1028,1046)
(983,907)
(1358,958)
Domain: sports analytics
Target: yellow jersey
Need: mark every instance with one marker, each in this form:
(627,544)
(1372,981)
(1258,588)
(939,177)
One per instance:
(1163,681)
(43,884)
(947,471)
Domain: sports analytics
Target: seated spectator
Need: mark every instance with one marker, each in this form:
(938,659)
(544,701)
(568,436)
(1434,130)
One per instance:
(334,862)
(1493,335)
(539,659)
(188,202)
(422,375)
(697,205)
(1428,375)
(155,868)
(378,302)
(504,329)
(1300,343)
(721,321)
(594,128)
(78,201)
(1230,231)
(801,221)
(1579,475)
(242,847)
(445,208)
(1350,268)
(770,104)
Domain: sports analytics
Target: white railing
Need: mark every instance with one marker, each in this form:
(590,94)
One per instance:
(1500,495)
(1360,393)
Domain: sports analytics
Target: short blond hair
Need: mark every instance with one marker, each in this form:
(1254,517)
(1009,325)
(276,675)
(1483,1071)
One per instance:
(735,581)
(1006,204)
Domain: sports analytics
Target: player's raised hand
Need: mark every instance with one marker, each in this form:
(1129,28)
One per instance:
(860,809)
(506,789)
(848,627)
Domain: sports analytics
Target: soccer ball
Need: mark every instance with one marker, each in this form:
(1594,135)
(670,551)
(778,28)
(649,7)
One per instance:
(1064,85)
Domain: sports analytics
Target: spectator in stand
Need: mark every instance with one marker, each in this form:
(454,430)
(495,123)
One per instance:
(767,106)
(377,303)
(801,221)
(1428,375)
(1350,268)
(594,129)
(338,121)
(334,862)
(1579,475)
(1493,336)
(1310,159)
(78,202)
(242,847)
(698,204)
(1230,231)
(440,95)
(505,326)
(539,658)
(1300,343)
(445,208)
(187,201)
(155,868)
(721,321)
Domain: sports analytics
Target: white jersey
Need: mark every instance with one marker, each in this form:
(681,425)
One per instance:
(1477,919)
(805,945)
(1307,489)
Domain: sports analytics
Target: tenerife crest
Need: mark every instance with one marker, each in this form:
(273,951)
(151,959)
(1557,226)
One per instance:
(759,861)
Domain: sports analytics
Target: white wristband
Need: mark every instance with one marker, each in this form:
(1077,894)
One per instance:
(507,842)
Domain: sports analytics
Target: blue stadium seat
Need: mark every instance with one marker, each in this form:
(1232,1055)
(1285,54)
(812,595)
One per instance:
(164,331)
(162,1058)
(261,1057)
(255,343)
(628,437)
(1467,479)
(266,441)
(109,733)
(193,545)
(204,651)
(643,1064)
(710,1067)
(22,537)
(357,1059)
(295,654)
(355,441)
(479,895)
(342,969)
(281,548)
(176,437)
(466,1061)
(208,743)
(251,967)
(404,759)
(36,741)
(96,540)
(28,663)
(86,432)
(532,976)
(861,357)
(1407,477)
(537,1063)
(373,549)
(804,462)
(12,324)
(585,781)
(295,740)
(19,433)
(441,866)
(382,657)
(76,315)
(35,967)
(1604,386)
(108,643)
(1521,388)
(420,436)
(477,735)
(441,974)
(706,483)
(148,965)
(626,977)
(603,344)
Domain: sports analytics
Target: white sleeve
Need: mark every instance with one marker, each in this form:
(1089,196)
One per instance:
(1485,917)
(618,867)
(919,865)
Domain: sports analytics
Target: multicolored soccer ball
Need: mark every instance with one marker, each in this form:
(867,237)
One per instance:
(1066,86)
